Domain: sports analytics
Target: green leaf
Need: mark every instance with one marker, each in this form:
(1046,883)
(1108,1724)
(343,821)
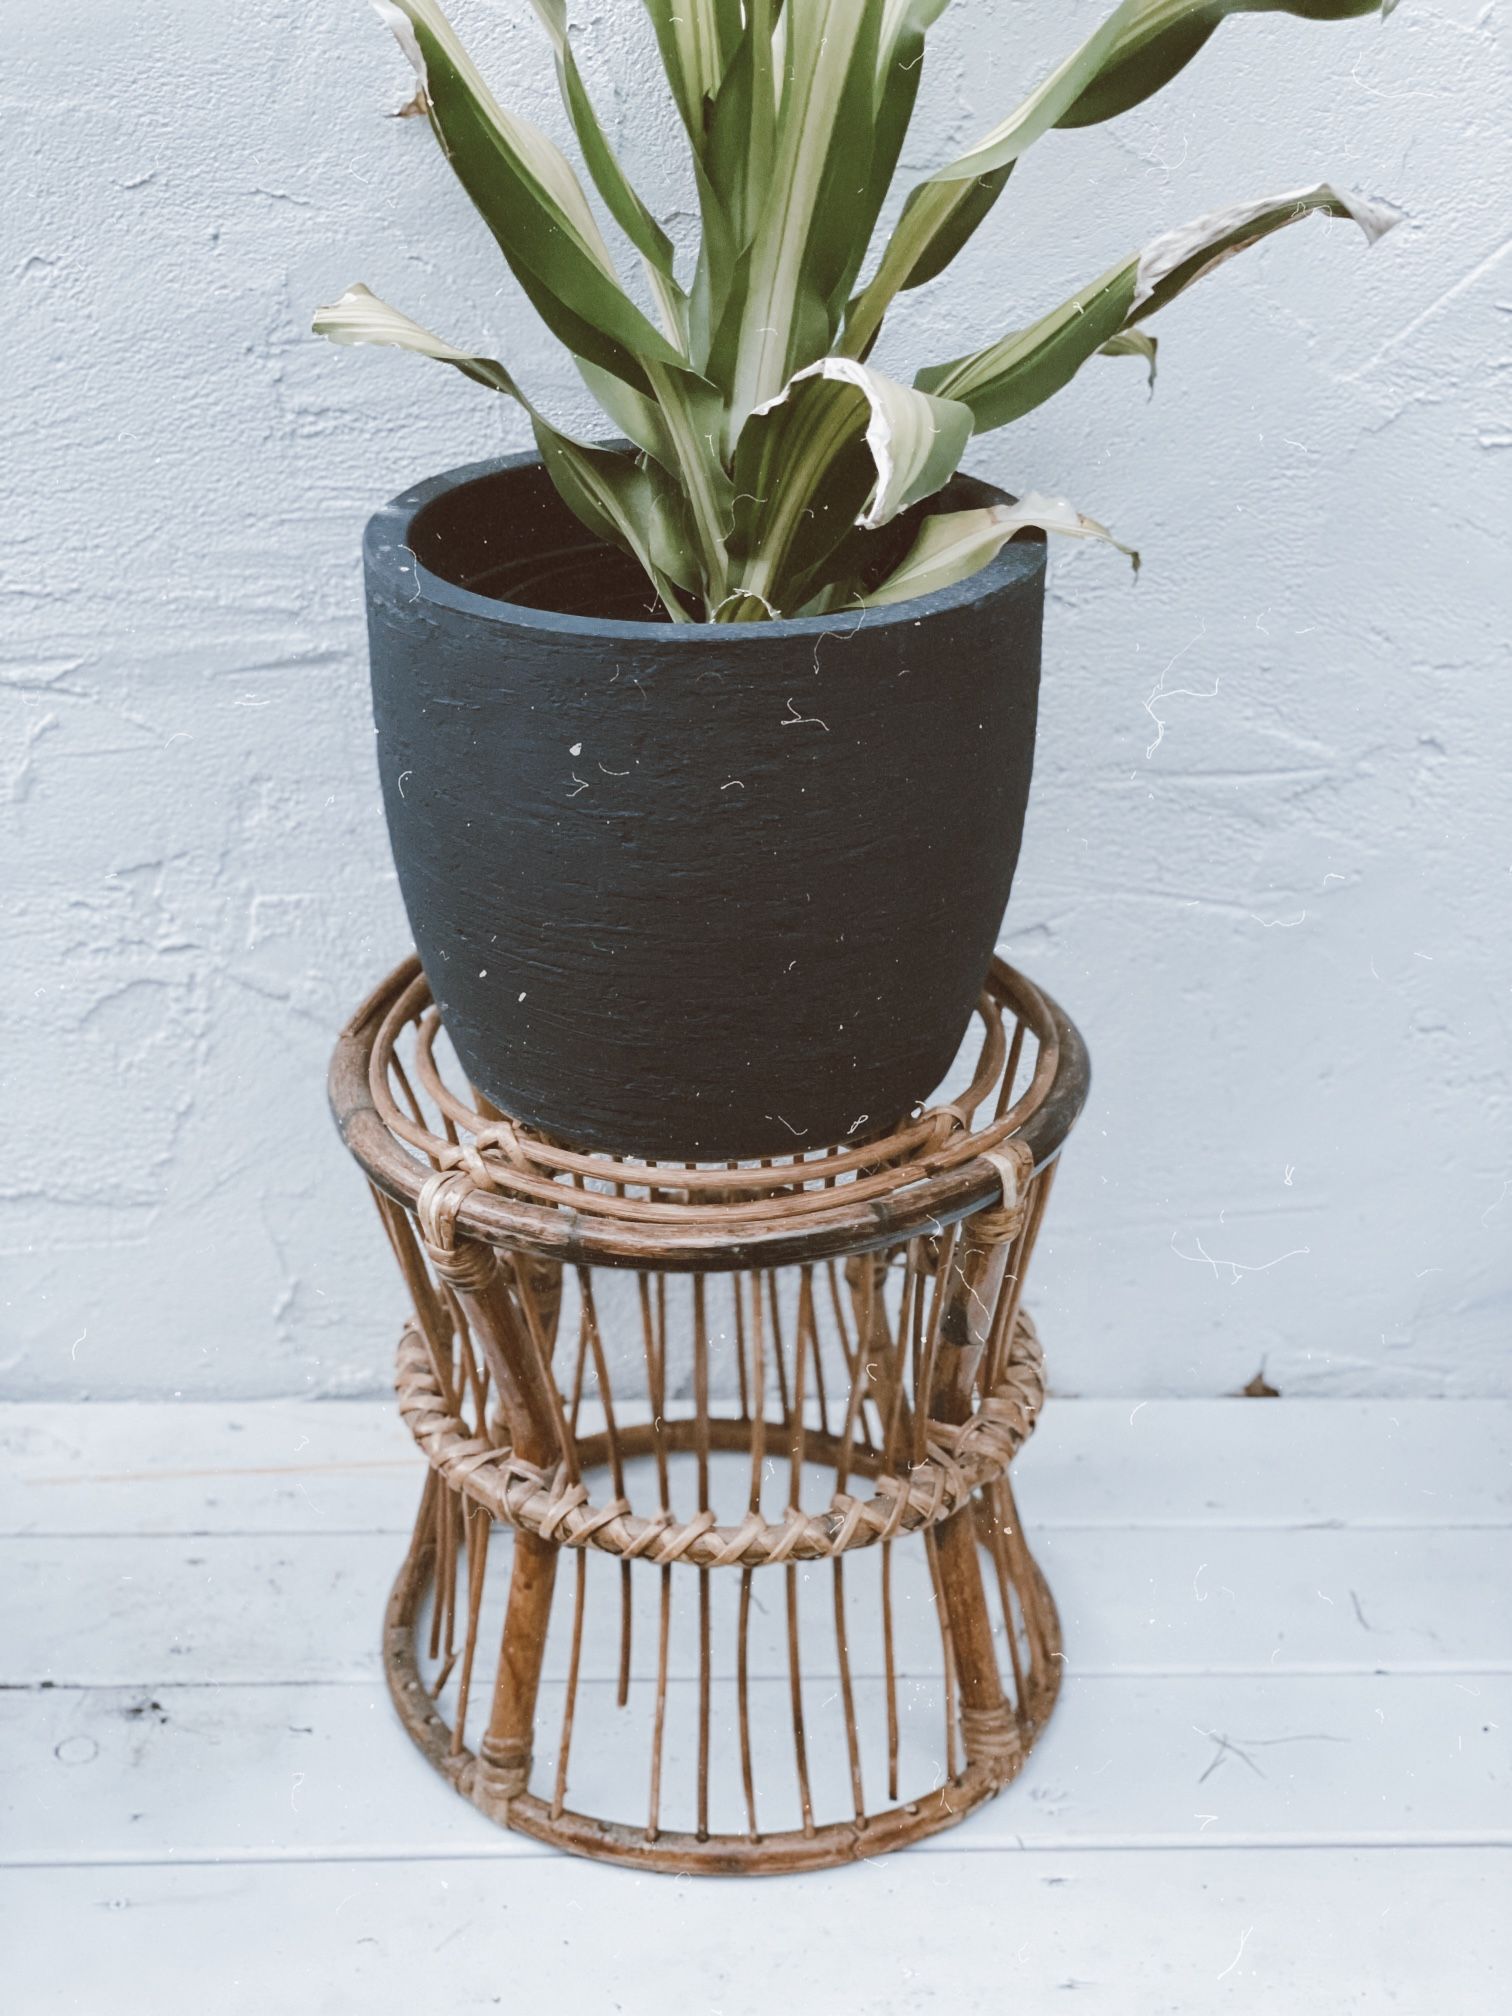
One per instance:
(900,68)
(733,170)
(361,317)
(532,202)
(609,178)
(1020,371)
(630,504)
(1141,46)
(713,277)
(803,474)
(1170,263)
(638,418)
(782,316)
(915,441)
(731,131)
(768,474)
(697,40)
(939,218)
(691,415)
(953,545)
(527,194)
(936,221)
(1158,38)
(842,447)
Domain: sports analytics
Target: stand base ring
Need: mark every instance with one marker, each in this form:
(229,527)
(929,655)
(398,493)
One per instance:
(672,1852)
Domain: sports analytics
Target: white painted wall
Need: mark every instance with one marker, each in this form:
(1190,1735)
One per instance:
(1270,841)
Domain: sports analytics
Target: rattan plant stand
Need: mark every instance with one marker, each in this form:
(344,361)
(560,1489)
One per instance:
(735,1429)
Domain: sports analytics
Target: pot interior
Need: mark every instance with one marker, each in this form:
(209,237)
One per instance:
(509,536)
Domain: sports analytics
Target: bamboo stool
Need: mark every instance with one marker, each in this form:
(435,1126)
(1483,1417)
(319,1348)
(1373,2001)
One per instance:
(824,1367)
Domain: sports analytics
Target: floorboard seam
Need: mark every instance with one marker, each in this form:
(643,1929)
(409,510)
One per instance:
(1492,1844)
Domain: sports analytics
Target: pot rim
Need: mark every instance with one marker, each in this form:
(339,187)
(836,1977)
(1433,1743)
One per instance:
(391,559)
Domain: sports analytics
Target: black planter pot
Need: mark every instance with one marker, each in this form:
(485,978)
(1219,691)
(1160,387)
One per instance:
(691,891)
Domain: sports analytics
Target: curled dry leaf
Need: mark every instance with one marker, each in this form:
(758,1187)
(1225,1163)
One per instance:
(954,544)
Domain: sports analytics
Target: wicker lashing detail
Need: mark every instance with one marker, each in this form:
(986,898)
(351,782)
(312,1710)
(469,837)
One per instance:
(1014,1163)
(992,1736)
(957,1461)
(406,1118)
(469,1265)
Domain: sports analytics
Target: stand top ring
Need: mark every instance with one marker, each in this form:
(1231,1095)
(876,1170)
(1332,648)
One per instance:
(404,1122)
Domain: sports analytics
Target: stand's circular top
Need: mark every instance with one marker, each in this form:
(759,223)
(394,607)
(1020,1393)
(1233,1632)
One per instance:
(404,1115)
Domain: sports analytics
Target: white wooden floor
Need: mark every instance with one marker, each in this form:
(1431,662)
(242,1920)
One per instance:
(1277,1779)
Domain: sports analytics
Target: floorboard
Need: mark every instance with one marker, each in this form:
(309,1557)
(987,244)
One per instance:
(1277,1780)
(129,1775)
(118,1611)
(1330,1932)
(297,1467)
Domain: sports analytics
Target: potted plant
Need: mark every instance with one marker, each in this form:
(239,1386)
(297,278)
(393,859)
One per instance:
(705,749)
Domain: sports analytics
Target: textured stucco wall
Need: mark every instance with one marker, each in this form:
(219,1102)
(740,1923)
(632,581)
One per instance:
(1268,859)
